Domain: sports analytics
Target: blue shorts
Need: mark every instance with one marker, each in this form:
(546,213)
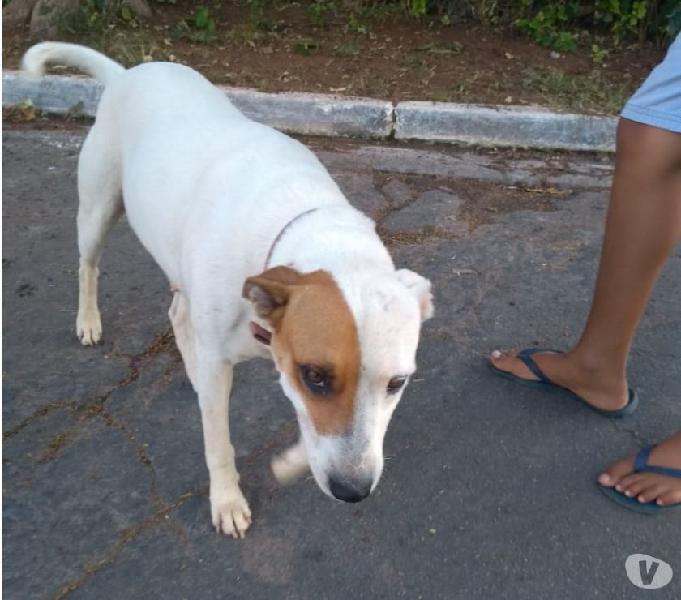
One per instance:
(658,101)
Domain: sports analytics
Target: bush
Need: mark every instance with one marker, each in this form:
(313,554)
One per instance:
(553,23)
(557,23)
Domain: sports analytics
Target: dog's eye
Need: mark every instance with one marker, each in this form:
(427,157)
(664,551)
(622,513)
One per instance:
(396,384)
(317,380)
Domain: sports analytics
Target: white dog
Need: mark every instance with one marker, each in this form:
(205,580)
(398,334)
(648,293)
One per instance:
(265,257)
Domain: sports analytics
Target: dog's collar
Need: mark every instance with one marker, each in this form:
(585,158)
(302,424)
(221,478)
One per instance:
(260,333)
(283,230)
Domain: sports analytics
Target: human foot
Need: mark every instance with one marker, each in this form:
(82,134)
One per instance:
(646,487)
(590,383)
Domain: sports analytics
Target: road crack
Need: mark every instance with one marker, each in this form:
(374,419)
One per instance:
(125,537)
(162,343)
(36,415)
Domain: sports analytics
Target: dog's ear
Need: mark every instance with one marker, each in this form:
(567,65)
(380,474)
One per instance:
(420,287)
(269,292)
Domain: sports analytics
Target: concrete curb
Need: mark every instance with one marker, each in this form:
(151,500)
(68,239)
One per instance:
(504,126)
(317,114)
(320,114)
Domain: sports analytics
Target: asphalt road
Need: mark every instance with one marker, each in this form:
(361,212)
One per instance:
(489,488)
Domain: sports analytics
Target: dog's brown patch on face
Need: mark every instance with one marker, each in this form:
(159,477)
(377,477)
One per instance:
(315,328)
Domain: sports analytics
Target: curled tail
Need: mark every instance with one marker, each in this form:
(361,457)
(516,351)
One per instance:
(85,59)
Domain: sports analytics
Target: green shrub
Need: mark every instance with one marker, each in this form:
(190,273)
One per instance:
(558,23)
(549,26)
(553,23)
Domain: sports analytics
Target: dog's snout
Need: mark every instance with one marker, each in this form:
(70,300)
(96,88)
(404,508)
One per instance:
(348,491)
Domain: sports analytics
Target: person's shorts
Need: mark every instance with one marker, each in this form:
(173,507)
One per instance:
(658,101)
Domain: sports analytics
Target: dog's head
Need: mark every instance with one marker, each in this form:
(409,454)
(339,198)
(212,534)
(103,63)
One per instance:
(345,353)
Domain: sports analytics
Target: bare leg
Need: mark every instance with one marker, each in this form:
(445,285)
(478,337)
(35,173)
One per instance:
(643,226)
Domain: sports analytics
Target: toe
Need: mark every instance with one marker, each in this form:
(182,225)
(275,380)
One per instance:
(669,498)
(241,523)
(510,363)
(631,485)
(652,492)
(615,472)
(217,522)
(626,481)
(501,360)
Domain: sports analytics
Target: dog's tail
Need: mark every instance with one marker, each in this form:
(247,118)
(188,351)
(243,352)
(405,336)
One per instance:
(84,59)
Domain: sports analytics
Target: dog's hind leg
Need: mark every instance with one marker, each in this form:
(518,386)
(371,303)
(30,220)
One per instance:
(100,204)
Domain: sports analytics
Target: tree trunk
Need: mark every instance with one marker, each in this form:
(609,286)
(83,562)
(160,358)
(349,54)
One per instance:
(17,13)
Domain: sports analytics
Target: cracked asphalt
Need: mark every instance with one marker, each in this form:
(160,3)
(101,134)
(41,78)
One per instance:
(489,488)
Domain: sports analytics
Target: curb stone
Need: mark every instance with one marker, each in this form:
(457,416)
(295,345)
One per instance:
(320,114)
(504,126)
(315,114)
(56,94)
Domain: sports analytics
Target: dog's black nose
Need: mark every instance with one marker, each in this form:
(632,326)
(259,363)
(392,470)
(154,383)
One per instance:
(349,492)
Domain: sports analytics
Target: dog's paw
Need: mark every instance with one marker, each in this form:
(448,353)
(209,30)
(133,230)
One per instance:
(290,464)
(230,512)
(89,328)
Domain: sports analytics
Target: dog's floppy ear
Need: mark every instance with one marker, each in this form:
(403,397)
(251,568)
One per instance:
(420,287)
(269,292)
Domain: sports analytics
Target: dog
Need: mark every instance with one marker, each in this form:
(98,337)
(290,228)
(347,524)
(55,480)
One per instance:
(264,256)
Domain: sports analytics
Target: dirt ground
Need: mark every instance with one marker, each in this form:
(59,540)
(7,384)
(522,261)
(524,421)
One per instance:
(384,55)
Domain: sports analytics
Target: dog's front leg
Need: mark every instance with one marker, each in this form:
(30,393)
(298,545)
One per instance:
(229,509)
(290,464)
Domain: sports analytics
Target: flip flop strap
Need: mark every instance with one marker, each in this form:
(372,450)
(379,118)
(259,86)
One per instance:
(641,465)
(526,357)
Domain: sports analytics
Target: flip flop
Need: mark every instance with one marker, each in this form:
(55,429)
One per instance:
(526,357)
(641,466)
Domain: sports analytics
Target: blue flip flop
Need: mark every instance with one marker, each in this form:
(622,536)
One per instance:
(526,357)
(641,466)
